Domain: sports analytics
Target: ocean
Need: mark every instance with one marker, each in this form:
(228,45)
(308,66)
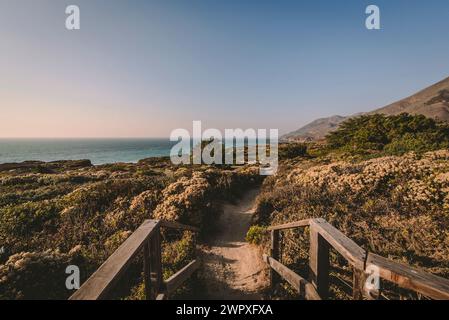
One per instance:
(98,151)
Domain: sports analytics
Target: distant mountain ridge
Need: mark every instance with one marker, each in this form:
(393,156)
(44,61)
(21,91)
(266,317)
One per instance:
(432,102)
(316,130)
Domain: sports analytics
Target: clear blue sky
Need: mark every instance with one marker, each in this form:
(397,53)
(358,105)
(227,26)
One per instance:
(144,68)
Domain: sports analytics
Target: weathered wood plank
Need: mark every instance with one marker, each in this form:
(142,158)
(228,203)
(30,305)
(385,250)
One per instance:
(353,253)
(156,262)
(319,262)
(358,280)
(410,278)
(103,280)
(311,293)
(291,225)
(179,226)
(295,280)
(176,280)
(147,270)
(323,236)
(305,289)
(274,278)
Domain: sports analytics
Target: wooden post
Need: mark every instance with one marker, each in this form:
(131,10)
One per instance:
(156,262)
(358,282)
(274,278)
(147,270)
(319,263)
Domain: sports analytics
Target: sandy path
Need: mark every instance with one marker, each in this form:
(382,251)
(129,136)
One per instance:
(233,268)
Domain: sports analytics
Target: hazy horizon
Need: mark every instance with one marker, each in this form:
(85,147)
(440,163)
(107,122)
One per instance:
(81,138)
(140,69)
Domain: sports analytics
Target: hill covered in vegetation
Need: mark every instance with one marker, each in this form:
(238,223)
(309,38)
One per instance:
(382,180)
(391,135)
(432,102)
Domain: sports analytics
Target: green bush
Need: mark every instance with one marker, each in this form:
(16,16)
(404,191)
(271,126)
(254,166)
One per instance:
(24,219)
(391,135)
(256,234)
(292,150)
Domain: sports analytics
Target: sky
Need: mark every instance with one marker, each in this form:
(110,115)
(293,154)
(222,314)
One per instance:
(142,68)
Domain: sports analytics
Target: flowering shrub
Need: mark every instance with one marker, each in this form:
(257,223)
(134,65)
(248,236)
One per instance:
(44,216)
(183,200)
(29,274)
(396,206)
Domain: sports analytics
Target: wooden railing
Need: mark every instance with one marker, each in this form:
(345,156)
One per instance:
(146,239)
(324,236)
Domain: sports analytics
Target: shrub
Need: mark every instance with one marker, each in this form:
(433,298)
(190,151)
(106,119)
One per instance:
(95,209)
(393,206)
(25,219)
(30,275)
(292,150)
(393,135)
(256,234)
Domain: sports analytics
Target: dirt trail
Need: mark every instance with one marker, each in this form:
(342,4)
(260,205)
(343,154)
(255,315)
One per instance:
(233,268)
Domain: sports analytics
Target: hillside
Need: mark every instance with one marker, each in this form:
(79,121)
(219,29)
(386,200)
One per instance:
(393,206)
(432,102)
(74,213)
(315,129)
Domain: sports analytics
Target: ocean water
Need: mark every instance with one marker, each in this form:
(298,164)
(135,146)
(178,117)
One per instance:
(98,151)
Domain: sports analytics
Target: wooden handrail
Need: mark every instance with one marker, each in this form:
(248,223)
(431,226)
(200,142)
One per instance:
(177,225)
(100,283)
(352,252)
(145,239)
(291,225)
(407,277)
(176,280)
(305,289)
(323,236)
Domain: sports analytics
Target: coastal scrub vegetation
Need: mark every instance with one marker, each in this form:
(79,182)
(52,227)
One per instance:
(61,213)
(383,181)
(390,135)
